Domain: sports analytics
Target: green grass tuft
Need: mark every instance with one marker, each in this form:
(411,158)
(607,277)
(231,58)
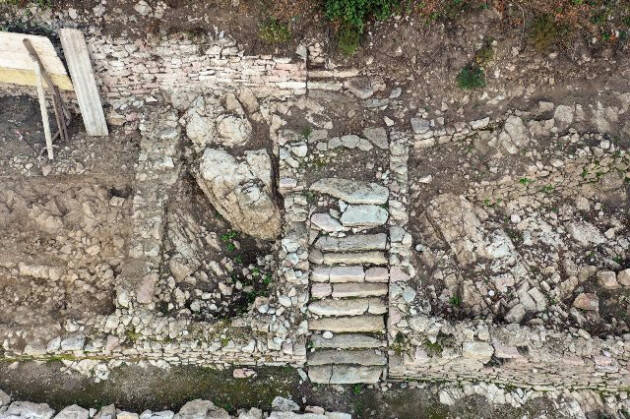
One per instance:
(471,77)
(273,31)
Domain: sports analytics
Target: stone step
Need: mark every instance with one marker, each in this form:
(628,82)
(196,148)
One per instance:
(354,307)
(344,374)
(327,223)
(358,258)
(377,274)
(359,289)
(352,191)
(365,357)
(346,341)
(359,324)
(364,216)
(321,290)
(357,242)
(338,274)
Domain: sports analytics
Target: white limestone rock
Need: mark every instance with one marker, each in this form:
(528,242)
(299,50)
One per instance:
(282,404)
(514,135)
(352,191)
(241,190)
(28,410)
(234,130)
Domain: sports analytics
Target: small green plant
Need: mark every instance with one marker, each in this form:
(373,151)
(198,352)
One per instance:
(306,132)
(311,198)
(229,240)
(455,301)
(348,38)
(357,388)
(273,31)
(547,188)
(132,335)
(545,32)
(432,349)
(267,279)
(319,162)
(471,77)
(485,54)
(357,12)
(229,236)
(525,181)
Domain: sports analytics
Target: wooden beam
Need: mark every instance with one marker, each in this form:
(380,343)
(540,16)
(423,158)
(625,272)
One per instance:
(44,111)
(56,97)
(78,59)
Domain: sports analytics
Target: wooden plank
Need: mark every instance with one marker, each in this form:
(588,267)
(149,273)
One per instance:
(42,107)
(16,66)
(29,78)
(78,58)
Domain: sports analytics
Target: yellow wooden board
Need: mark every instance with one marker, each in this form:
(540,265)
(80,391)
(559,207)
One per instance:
(16,65)
(28,78)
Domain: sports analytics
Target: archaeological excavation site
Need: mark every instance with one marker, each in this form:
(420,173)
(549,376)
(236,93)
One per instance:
(314,209)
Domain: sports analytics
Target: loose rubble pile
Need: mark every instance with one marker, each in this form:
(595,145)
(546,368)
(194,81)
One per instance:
(69,248)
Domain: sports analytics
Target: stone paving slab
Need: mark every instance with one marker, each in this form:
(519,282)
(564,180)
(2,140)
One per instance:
(357,242)
(358,289)
(346,341)
(357,258)
(352,191)
(365,357)
(358,324)
(344,374)
(353,307)
(364,216)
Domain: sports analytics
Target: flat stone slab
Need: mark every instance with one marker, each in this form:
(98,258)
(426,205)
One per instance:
(377,274)
(360,289)
(338,274)
(347,274)
(352,243)
(352,191)
(355,307)
(359,324)
(358,258)
(346,341)
(325,222)
(365,357)
(321,290)
(320,274)
(344,374)
(364,216)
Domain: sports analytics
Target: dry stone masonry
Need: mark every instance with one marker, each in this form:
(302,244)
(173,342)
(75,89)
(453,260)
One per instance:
(376,272)
(156,172)
(281,408)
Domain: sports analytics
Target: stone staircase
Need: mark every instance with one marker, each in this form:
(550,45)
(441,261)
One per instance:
(349,283)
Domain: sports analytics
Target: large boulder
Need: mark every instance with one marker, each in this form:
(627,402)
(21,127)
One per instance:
(241,190)
(209,122)
(234,130)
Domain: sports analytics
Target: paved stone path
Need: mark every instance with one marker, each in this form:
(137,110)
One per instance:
(349,278)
